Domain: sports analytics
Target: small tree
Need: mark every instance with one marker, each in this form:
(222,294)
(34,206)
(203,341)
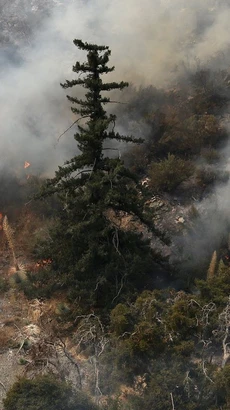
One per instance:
(92,255)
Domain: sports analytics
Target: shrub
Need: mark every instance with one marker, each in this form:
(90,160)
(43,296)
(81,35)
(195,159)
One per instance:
(4,285)
(45,392)
(189,136)
(119,319)
(166,175)
(223,387)
(211,155)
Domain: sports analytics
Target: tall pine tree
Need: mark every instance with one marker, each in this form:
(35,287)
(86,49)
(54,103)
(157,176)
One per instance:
(92,255)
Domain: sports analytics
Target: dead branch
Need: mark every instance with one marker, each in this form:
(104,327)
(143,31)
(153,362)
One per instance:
(205,372)
(172,401)
(120,288)
(223,332)
(91,333)
(117,102)
(75,122)
(71,359)
(4,387)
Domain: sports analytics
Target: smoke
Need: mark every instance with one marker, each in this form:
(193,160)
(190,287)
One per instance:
(152,42)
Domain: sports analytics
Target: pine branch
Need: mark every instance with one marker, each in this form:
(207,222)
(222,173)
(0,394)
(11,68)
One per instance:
(89,47)
(113,85)
(119,137)
(72,83)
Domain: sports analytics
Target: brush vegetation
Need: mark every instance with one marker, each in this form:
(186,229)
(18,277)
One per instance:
(45,392)
(147,347)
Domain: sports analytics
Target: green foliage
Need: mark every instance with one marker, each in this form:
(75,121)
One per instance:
(168,338)
(119,319)
(92,256)
(161,339)
(90,137)
(45,392)
(216,289)
(211,155)
(184,121)
(192,134)
(97,262)
(223,387)
(4,285)
(155,323)
(167,174)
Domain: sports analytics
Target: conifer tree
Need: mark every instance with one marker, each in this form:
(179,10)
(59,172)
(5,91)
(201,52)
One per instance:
(92,255)
(99,127)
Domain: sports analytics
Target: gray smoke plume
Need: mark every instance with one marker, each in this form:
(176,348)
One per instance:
(152,42)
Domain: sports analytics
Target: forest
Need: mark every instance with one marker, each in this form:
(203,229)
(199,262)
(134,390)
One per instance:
(120,269)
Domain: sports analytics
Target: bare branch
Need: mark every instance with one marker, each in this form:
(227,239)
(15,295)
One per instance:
(223,331)
(4,387)
(117,102)
(75,122)
(71,359)
(172,401)
(205,372)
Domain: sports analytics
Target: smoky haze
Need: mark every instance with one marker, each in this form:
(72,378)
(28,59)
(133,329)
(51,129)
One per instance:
(152,42)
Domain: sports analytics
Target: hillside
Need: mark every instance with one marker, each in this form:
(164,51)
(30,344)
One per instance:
(114,206)
(180,329)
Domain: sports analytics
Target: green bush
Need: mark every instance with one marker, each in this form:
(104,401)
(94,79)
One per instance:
(119,319)
(166,175)
(223,387)
(4,285)
(188,136)
(211,155)
(45,392)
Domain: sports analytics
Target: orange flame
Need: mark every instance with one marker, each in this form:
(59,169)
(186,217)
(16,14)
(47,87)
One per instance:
(26,165)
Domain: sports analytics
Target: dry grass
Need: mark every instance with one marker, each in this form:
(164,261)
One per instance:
(30,229)
(10,239)
(6,336)
(212,267)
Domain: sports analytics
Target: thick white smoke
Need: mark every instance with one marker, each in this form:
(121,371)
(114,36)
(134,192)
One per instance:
(151,41)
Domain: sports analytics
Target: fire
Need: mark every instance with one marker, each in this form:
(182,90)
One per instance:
(26,164)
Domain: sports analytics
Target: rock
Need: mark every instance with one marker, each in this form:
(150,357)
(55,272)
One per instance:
(180,220)
(145,182)
(156,203)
